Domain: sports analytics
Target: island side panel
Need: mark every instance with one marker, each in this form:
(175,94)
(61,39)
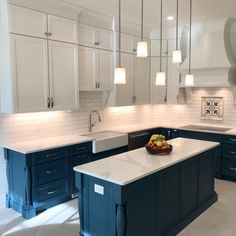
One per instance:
(99,206)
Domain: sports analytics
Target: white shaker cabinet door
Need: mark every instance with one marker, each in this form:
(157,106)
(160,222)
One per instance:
(62,29)
(158,93)
(87,69)
(141,81)
(63,73)
(105,70)
(27,22)
(124,95)
(105,39)
(88,36)
(30,73)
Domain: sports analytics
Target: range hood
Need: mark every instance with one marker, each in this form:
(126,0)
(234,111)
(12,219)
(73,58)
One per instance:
(213,54)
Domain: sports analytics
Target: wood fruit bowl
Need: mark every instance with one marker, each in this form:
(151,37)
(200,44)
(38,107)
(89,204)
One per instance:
(159,151)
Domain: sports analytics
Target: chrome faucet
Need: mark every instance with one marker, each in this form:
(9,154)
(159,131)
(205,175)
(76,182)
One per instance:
(91,125)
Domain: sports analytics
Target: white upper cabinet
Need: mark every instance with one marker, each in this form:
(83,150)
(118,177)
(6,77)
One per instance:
(127,43)
(62,29)
(141,81)
(37,24)
(87,69)
(30,73)
(155,47)
(124,93)
(41,74)
(63,74)
(105,70)
(96,69)
(27,22)
(95,37)
(158,93)
(136,91)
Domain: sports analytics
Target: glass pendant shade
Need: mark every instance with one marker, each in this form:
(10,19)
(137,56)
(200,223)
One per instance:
(161,79)
(120,76)
(142,49)
(177,56)
(189,80)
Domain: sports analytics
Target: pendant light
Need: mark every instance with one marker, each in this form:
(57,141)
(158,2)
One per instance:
(177,55)
(161,76)
(142,48)
(189,78)
(120,73)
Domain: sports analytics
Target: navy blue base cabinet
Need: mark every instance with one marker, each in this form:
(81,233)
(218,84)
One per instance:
(160,204)
(40,180)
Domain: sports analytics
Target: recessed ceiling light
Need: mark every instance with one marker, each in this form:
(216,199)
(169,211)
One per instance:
(170,18)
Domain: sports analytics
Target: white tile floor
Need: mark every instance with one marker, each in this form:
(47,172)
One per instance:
(63,220)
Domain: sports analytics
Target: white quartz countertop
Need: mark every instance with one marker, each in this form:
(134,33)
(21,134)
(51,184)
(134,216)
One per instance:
(151,125)
(47,143)
(128,167)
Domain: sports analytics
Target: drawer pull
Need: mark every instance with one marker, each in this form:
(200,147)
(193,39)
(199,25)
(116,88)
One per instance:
(233,153)
(233,139)
(52,171)
(232,168)
(51,155)
(52,192)
(80,148)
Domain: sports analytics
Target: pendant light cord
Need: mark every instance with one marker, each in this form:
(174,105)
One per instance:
(177,25)
(161,37)
(119,33)
(190,37)
(141,20)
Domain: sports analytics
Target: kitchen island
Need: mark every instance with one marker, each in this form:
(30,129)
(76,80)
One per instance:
(137,194)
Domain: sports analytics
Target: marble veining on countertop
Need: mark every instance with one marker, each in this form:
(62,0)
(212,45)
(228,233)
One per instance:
(130,166)
(47,143)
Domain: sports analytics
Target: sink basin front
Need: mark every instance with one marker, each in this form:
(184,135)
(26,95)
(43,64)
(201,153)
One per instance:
(107,140)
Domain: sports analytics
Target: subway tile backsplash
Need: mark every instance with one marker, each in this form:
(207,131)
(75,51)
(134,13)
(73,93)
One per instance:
(23,127)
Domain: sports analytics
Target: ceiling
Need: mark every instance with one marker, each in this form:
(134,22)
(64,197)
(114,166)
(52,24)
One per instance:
(202,9)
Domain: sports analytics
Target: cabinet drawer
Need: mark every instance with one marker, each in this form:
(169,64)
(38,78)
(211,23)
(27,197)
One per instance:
(49,155)
(229,168)
(229,152)
(229,139)
(50,171)
(57,189)
(81,148)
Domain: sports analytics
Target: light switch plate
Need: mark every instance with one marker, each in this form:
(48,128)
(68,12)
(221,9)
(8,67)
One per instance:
(98,189)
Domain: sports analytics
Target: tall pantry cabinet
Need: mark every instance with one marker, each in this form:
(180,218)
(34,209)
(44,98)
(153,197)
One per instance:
(43,58)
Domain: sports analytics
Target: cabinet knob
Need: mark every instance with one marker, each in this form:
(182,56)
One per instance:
(134,50)
(96,43)
(48,34)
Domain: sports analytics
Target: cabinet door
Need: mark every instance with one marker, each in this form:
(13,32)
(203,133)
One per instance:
(158,93)
(173,82)
(105,39)
(27,22)
(88,36)
(127,43)
(105,70)
(62,29)
(155,47)
(30,73)
(141,81)
(87,69)
(125,91)
(63,71)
